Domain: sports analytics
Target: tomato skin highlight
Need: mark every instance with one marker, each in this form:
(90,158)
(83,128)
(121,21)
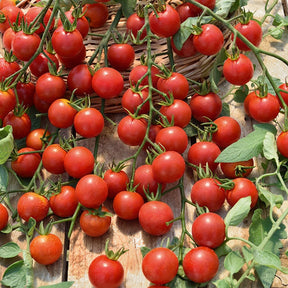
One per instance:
(46,249)
(105,273)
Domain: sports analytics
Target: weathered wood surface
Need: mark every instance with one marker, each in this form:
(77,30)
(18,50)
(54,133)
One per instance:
(80,250)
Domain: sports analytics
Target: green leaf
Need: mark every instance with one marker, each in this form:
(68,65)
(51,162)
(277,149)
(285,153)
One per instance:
(269,198)
(223,7)
(234,262)
(6,143)
(265,80)
(270,146)
(222,250)
(179,282)
(238,212)
(266,275)
(240,94)
(225,110)
(128,7)
(190,131)
(144,250)
(247,147)
(15,275)
(248,256)
(223,283)
(9,250)
(59,285)
(4,178)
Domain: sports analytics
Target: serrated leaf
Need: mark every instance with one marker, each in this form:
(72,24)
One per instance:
(59,285)
(223,7)
(9,250)
(4,178)
(128,7)
(247,147)
(6,143)
(270,146)
(233,262)
(238,212)
(15,275)
(240,94)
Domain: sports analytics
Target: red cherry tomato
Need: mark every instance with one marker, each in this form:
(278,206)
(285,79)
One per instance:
(96,14)
(134,23)
(7,102)
(187,50)
(7,68)
(139,71)
(283,94)
(46,249)
(237,169)
(10,14)
(36,138)
(4,216)
(160,265)
(25,92)
(282,143)
(7,38)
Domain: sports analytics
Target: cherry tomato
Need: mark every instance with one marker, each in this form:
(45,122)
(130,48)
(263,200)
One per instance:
(204,153)
(207,192)
(144,181)
(139,71)
(53,159)
(282,143)
(188,49)
(70,62)
(33,12)
(7,68)
(252,31)
(237,169)
(132,99)
(39,65)
(21,124)
(228,131)
(243,187)
(50,87)
(96,14)
(65,202)
(7,102)
(160,265)
(25,92)
(10,14)
(168,167)
(200,264)
(153,131)
(172,138)
(34,205)
(80,80)
(208,3)
(66,43)
(61,114)
(79,161)
(116,180)
(107,82)
(37,138)
(105,273)
(205,107)
(89,122)
(176,84)
(166,23)
(238,71)
(209,41)
(25,45)
(7,38)
(121,56)
(153,217)
(46,249)
(283,94)
(263,109)
(40,105)
(5,3)
(26,165)
(208,230)
(91,191)
(132,131)
(95,225)
(179,111)
(126,204)
(134,23)
(4,216)
(186,10)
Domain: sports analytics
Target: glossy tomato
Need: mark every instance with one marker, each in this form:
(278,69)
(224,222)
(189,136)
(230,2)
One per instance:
(107,82)
(4,3)
(153,217)
(25,92)
(186,10)
(138,72)
(206,192)
(168,167)
(237,169)
(34,205)
(187,49)
(26,164)
(200,264)
(64,203)
(7,68)
(10,14)
(37,138)
(134,23)
(95,224)
(96,14)
(46,249)
(71,61)
(208,230)
(284,93)
(7,38)
(79,161)
(91,191)
(104,272)
(7,102)
(53,159)
(160,265)
(238,71)
(282,143)
(4,216)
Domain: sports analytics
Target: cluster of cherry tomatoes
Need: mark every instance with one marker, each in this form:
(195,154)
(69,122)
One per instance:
(21,36)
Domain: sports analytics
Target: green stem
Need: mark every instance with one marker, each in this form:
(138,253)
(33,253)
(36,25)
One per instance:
(28,264)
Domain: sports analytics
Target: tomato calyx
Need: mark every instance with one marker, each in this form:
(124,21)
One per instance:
(117,167)
(114,255)
(158,7)
(67,25)
(99,212)
(261,88)
(245,16)
(226,184)
(9,56)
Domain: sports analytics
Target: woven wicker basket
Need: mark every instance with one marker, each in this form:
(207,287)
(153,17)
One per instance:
(196,67)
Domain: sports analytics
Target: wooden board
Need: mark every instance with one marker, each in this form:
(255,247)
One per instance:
(80,249)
